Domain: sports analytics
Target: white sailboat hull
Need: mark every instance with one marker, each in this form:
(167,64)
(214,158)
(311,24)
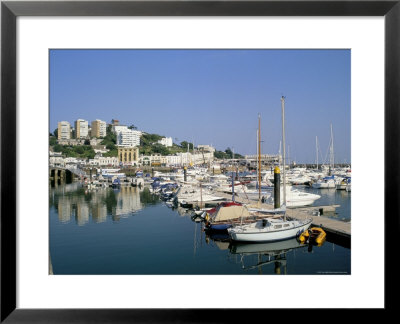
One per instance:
(257,233)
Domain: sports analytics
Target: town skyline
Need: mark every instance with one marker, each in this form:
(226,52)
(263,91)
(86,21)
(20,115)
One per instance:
(226,121)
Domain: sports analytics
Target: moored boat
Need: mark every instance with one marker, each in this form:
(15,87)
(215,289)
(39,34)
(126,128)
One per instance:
(269,230)
(343,183)
(325,183)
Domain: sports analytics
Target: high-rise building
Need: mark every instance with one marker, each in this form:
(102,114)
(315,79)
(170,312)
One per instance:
(127,137)
(64,130)
(99,128)
(81,128)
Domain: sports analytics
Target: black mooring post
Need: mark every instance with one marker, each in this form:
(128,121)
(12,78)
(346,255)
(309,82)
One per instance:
(277,188)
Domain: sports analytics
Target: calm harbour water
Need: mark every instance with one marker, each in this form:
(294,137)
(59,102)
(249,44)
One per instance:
(130,231)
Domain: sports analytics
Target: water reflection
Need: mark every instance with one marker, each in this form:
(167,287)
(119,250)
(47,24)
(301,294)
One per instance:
(74,202)
(257,255)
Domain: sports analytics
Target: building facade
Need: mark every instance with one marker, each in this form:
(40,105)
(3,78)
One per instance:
(265,158)
(81,128)
(166,141)
(128,155)
(64,130)
(127,137)
(99,128)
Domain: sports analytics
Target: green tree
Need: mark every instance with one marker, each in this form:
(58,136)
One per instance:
(111,146)
(79,149)
(229,152)
(58,148)
(56,132)
(184,145)
(52,141)
(159,148)
(111,153)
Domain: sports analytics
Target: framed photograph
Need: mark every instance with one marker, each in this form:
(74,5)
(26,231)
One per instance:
(144,144)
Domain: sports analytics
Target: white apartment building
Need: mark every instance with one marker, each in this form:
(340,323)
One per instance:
(64,130)
(166,141)
(127,137)
(99,128)
(81,128)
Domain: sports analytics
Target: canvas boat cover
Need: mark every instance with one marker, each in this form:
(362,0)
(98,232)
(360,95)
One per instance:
(230,213)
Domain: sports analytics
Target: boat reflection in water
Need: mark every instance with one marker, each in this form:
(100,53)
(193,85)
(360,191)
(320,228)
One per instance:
(256,255)
(266,253)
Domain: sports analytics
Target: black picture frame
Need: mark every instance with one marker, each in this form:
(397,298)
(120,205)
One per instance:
(10,10)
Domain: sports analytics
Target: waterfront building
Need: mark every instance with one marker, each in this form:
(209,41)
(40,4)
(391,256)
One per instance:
(56,160)
(71,162)
(81,128)
(166,141)
(158,160)
(108,161)
(128,155)
(173,160)
(265,158)
(99,128)
(145,160)
(94,162)
(64,130)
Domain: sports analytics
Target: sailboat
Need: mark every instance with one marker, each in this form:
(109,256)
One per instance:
(274,228)
(328,181)
(263,186)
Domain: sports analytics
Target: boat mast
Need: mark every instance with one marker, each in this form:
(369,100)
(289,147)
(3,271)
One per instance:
(316,149)
(257,154)
(332,159)
(259,158)
(284,152)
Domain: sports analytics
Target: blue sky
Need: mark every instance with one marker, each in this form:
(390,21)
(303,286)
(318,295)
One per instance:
(211,96)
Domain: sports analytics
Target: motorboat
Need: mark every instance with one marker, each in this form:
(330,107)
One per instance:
(189,194)
(325,183)
(342,184)
(295,198)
